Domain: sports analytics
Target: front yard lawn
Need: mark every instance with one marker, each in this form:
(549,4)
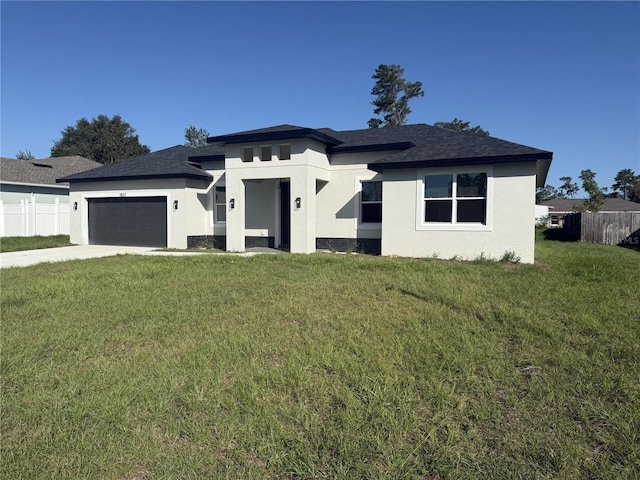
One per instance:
(337,366)
(15,244)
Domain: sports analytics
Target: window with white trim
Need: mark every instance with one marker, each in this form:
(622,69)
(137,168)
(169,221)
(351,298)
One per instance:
(455,198)
(371,202)
(247,154)
(220,201)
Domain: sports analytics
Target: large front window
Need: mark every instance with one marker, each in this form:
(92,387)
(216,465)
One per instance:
(455,198)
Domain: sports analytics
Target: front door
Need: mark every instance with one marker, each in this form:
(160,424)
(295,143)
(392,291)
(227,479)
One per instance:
(285,214)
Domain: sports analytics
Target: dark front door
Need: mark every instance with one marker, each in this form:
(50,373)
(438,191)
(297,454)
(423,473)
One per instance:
(135,221)
(285,214)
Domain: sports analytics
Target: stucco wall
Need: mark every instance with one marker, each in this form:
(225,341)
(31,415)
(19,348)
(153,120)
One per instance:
(338,201)
(260,199)
(189,219)
(510,217)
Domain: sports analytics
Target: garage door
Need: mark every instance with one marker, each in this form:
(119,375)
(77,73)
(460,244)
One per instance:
(136,221)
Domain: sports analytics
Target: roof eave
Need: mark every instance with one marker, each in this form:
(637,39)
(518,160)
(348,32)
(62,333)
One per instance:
(205,177)
(279,135)
(371,148)
(26,184)
(207,158)
(456,162)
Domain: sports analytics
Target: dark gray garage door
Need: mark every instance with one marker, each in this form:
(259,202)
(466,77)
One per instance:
(136,221)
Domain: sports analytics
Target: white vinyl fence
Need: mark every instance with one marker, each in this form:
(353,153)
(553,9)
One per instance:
(29,218)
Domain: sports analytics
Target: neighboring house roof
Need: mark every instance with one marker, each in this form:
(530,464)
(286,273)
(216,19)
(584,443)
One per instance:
(414,145)
(173,162)
(43,171)
(566,205)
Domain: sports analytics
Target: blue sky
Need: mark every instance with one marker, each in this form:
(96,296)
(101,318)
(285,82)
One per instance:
(561,76)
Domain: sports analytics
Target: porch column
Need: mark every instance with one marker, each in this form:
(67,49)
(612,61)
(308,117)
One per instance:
(235,212)
(303,218)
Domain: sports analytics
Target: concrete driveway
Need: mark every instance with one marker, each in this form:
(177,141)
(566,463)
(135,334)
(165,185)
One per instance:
(60,254)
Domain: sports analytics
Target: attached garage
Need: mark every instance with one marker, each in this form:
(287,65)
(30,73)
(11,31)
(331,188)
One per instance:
(134,221)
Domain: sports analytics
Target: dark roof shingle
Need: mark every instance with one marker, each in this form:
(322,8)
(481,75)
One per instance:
(168,163)
(413,145)
(561,205)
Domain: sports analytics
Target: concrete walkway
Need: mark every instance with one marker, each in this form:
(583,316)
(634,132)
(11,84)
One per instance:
(26,258)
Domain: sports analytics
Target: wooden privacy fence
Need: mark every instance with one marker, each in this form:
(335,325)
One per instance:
(611,228)
(29,218)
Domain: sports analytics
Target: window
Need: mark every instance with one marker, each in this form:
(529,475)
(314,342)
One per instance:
(247,154)
(265,154)
(455,198)
(285,152)
(371,202)
(221,204)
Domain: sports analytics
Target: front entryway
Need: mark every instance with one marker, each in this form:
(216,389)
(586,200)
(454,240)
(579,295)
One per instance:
(285,215)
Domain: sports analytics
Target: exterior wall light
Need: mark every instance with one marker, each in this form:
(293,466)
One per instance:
(175,205)
(296,203)
(232,204)
(75,206)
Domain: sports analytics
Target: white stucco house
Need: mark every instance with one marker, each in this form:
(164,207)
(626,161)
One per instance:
(411,190)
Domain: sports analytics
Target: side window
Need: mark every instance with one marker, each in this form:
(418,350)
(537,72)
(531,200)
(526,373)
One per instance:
(221,204)
(284,152)
(455,198)
(371,202)
(247,154)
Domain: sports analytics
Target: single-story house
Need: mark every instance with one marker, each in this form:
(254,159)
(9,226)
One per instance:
(31,202)
(411,190)
(36,179)
(560,207)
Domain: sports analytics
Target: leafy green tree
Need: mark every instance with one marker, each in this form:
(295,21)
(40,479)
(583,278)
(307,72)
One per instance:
(548,192)
(458,125)
(103,139)
(393,94)
(596,194)
(195,137)
(26,155)
(626,183)
(569,188)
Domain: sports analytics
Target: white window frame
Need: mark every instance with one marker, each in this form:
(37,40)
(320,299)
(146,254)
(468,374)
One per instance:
(374,177)
(453,226)
(215,204)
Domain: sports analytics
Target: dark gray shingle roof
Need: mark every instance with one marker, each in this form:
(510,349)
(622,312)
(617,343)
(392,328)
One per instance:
(43,171)
(415,145)
(168,163)
(279,132)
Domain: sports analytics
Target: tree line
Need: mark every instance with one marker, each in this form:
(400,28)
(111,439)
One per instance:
(626,186)
(108,140)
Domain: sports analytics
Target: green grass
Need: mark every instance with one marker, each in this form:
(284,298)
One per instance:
(15,244)
(332,366)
